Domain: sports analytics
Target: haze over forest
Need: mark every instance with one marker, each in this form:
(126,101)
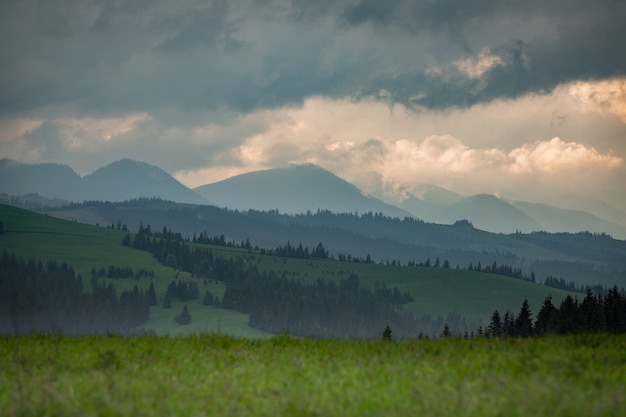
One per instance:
(523,101)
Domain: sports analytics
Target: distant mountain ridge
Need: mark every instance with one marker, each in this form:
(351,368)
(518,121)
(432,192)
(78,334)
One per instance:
(121,180)
(304,188)
(493,214)
(293,190)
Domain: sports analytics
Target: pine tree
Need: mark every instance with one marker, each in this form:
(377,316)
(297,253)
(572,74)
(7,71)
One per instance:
(570,318)
(594,313)
(545,322)
(446,331)
(508,326)
(495,325)
(152,299)
(184,317)
(387,333)
(524,324)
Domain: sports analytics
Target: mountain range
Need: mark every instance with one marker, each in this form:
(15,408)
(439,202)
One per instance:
(303,188)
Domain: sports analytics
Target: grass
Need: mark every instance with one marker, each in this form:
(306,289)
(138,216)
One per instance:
(213,375)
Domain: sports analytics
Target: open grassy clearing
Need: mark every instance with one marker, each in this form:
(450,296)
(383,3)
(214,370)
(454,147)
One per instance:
(437,291)
(212,375)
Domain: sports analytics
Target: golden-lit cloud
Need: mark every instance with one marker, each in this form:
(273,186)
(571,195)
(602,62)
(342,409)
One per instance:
(605,95)
(559,157)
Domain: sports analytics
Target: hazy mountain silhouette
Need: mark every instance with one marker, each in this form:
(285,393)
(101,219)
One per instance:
(296,189)
(487,212)
(127,179)
(428,200)
(121,180)
(302,188)
(48,180)
(554,219)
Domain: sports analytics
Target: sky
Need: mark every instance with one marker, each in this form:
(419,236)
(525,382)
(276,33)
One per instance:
(523,99)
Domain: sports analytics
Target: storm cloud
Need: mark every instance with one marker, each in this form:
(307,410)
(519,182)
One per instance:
(206,89)
(102,56)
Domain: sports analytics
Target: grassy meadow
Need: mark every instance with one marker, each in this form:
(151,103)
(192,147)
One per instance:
(217,375)
(437,291)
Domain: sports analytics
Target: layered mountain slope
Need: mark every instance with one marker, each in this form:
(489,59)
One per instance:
(296,189)
(127,179)
(553,219)
(121,180)
(47,180)
(487,212)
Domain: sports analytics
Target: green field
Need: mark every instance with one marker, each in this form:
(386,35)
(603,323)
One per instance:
(212,375)
(437,291)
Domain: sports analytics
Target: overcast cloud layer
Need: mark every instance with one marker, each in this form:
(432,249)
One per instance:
(524,99)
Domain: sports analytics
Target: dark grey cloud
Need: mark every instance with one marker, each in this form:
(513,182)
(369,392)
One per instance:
(418,16)
(110,58)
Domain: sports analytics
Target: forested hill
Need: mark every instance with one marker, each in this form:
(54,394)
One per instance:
(584,258)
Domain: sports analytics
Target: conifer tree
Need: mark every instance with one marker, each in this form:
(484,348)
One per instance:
(184,317)
(495,325)
(569,318)
(593,311)
(546,317)
(508,326)
(152,299)
(446,331)
(524,323)
(387,333)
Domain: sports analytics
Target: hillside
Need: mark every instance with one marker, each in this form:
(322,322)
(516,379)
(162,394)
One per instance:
(582,258)
(34,236)
(436,291)
(293,190)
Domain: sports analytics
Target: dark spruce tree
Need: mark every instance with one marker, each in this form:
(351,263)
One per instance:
(569,318)
(446,331)
(184,317)
(387,333)
(524,323)
(546,318)
(152,299)
(592,309)
(495,325)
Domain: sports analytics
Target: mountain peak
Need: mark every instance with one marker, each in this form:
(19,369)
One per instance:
(297,188)
(126,179)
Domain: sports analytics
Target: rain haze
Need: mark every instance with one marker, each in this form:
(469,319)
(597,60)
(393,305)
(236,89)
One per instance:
(525,100)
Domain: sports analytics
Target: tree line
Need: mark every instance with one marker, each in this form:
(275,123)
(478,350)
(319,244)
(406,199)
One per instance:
(50,298)
(595,313)
(279,304)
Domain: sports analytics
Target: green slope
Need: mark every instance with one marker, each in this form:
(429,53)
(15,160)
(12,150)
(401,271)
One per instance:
(437,291)
(31,235)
